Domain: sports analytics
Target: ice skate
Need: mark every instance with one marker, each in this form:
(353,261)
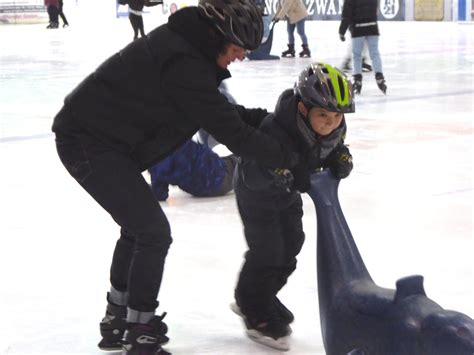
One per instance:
(379,78)
(112,327)
(306,53)
(290,52)
(357,84)
(146,339)
(270,330)
(366,67)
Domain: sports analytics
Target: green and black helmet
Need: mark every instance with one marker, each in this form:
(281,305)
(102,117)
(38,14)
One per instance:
(325,86)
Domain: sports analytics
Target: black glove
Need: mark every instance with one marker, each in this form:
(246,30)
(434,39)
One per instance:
(301,176)
(282,178)
(339,162)
(342,37)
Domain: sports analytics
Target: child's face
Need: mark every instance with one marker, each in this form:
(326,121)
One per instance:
(322,121)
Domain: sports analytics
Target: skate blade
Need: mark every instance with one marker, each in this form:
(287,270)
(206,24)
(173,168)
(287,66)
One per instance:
(236,309)
(110,347)
(282,343)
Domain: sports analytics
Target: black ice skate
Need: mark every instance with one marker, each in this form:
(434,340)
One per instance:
(306,53)
(270,330)
(357,84)
(285,314)
(146,339)
(366,67)
(381,82)
(112,327)
(290,52)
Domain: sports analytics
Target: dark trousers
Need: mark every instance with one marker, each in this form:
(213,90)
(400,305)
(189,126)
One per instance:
(275,237)
(53,13)
(61,14)
(116,183)
(137,25)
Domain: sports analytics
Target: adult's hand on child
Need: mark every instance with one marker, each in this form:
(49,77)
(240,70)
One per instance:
(339,162)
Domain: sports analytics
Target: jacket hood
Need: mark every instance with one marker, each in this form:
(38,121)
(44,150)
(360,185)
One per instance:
(307,141)
(195,30)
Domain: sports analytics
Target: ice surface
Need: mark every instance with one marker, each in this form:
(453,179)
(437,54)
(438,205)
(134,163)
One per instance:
(408,201)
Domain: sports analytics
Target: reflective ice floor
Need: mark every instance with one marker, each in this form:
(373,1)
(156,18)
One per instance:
(408,201)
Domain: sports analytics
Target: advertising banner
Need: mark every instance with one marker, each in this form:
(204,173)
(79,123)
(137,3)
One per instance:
(22,11)
(389,10)
(429,10)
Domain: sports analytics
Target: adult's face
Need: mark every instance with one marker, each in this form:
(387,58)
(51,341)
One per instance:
(230,54)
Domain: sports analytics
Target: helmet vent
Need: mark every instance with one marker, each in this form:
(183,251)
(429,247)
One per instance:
(331,89)
(341,86)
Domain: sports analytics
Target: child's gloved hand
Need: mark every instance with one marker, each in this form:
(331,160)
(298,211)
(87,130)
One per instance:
(339,162)
(301,174)
(282,178)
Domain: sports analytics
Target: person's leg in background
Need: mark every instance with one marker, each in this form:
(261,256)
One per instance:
(357,47)
(373,47)
(290,52)
(304,40)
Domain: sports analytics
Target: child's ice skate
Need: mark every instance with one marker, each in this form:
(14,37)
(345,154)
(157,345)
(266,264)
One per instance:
(270,330)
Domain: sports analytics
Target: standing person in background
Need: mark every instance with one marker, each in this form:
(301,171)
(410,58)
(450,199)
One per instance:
(135,15)
(61,14)
(360,16)
(295,13)
(52,6)
(133,111)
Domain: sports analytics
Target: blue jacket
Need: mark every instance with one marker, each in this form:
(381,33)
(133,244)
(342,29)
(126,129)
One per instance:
(194,167)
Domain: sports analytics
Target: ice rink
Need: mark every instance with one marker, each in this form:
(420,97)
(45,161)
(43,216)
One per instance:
(408,201)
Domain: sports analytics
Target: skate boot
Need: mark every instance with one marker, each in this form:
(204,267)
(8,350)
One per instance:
(366,67)
(290,52)
(268,329)
(146,339)
(285,314)
(357,84)
(112,327)
(346,65)
(381,82)
(305,52)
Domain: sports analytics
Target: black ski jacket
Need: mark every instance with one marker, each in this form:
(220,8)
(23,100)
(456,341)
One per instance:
(360,16)
(152,96)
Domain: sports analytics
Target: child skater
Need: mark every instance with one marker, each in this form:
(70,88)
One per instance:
(310,119)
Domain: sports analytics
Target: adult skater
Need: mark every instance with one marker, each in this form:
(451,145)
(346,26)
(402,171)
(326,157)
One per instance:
(134,110)
(295,12)
(62,15)
(360,16)
(309,119)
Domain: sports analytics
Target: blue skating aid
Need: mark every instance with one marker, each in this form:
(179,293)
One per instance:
(360,318)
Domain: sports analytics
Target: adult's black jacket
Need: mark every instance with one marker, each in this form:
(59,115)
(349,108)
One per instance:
(360,16)
(153,95)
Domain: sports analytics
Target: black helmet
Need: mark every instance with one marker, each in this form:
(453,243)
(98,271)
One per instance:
(240,21)
(325,86)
